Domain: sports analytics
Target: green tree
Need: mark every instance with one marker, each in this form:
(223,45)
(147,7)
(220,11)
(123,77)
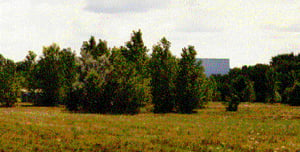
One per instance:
(264,82)
(26,69)
(135,52)
(9,86)
(127,89)
(237,89)
(259,75)
(96,50)
(68,71)
(30,62)
(287,69)
(209,90)
(54,72)
(163,74)
(108,84)
(188,83)
(271,91)
(87,94)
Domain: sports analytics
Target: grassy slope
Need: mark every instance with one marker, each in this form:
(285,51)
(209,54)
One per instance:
(260,127)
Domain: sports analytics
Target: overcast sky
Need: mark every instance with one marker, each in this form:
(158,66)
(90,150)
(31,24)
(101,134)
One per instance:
(245,31)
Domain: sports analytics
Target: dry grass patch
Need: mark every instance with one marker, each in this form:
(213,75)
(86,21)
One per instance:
(255,127)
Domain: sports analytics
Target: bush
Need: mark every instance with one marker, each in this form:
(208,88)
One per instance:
(240,89)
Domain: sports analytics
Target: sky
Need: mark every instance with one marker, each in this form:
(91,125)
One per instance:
(245,31)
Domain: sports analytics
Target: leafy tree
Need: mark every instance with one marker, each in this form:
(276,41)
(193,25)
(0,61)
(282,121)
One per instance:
(27,72)
(49,77)
(163,73)
(9,87)
(55,72)
(237,89)
(221,81)
(188,81)
(135,52)
(87,94)
(127,89)
(272,94)
(264,82)
(258,74)
(209,90)
(26,69)
(108,84)
(287,69)
(96,50)
(68,68)
(30,63)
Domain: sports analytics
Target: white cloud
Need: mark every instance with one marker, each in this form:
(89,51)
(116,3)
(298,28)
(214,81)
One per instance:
(247,32)
(121,6)
(29,25)
(288,28)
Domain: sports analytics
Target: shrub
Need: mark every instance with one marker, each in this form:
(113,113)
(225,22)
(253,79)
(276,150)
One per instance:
(240,89)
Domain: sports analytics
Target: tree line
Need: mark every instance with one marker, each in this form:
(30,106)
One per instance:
(122,79)
(277,82)
(127,79)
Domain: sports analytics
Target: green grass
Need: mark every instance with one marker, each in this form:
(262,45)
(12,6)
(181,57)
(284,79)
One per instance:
(255,127)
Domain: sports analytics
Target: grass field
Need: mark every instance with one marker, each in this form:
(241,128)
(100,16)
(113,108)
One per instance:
(255,127)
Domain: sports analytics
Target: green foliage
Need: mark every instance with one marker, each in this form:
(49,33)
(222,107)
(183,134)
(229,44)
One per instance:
(108,84)
(26,70)
(135,52)
(68,69)
(287,68)
(237,89)
(130,90)
(249,94)
(272,95)
(209,91)
(263,84)
(263,79)
(96,50)
(55,73)
(163,74)
(87,94)
(31,71)
(293,94)
(188,82)
(126,79)
(9,86)
(272,83)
